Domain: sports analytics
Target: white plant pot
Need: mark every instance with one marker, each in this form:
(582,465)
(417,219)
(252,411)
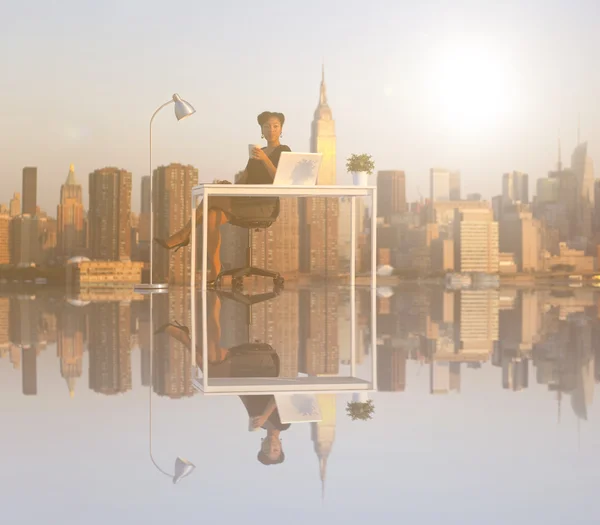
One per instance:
(360,397)
(360,178)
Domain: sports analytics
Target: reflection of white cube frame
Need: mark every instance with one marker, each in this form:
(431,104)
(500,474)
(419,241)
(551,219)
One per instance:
(274,385)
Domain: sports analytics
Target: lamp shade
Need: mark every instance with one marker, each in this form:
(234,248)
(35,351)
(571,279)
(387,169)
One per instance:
(183,468)
(183,109)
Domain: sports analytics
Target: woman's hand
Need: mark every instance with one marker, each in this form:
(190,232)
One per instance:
(259,154)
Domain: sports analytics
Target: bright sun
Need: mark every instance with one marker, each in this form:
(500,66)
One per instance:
(472,88)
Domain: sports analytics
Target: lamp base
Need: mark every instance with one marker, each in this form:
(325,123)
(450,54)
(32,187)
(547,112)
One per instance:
(149,288)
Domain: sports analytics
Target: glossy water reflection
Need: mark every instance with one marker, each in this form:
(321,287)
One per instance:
(511,434)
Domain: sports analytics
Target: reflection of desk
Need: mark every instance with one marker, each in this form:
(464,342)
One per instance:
(273,385)
(266,190)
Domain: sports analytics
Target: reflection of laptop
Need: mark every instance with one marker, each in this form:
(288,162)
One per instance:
(298,169)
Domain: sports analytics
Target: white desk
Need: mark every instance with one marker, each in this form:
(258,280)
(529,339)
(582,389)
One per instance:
(267,190)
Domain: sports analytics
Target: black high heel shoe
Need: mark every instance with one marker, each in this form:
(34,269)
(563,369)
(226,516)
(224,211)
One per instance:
(176,247)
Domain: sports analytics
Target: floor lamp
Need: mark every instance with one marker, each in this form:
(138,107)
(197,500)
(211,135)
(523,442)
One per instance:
(183,109)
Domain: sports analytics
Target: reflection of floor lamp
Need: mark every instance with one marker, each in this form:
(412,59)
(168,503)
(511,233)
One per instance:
(183,467)
(183,110)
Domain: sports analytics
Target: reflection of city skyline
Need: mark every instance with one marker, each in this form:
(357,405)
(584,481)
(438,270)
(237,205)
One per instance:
(543,337)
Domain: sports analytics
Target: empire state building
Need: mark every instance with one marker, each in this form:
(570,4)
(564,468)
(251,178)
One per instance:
(318,215)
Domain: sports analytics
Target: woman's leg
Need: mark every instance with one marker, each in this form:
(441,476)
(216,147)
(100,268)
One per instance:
(182,237)
(215,219)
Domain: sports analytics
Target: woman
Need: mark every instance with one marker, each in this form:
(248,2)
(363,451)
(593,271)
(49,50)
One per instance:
(260,169)
(262,409)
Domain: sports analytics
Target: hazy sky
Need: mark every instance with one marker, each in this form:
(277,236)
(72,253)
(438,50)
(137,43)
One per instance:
(478,86)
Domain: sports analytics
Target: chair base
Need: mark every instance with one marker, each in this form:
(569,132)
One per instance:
(238,274)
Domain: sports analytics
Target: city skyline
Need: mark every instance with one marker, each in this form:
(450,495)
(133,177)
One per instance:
(404,125)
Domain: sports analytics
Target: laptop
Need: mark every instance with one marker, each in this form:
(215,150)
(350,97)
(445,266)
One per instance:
(298,169)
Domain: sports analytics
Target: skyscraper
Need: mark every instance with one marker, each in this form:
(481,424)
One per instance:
(515,187)
(319,216)
(30,191)
(475,241)
(172,186)
(15,205)
(70,216)
(109,214)
(323,434)
(4,238)
(444,185)
(391,193)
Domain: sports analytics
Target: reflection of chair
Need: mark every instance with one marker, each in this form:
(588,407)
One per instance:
(238,274)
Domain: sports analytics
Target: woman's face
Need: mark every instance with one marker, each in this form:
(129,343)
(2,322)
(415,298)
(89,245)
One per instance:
(271,447)
(271,129)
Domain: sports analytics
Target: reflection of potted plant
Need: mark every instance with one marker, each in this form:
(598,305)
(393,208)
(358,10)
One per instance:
(361,407)
(361,166)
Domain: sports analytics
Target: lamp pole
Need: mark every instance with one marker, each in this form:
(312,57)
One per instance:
(183,467)
(183,110)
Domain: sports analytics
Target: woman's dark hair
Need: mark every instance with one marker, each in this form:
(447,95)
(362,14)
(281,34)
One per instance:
(266,460)
(266,115)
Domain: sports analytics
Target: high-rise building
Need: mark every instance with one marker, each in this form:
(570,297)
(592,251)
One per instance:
(70,216)
(14,207)
(583,166)
(4,238)
(521,235)
(109,347)
(323,434)
(391,193)
(318,350)
(515,187)
(70,345)
(172,188)
(109,214)
(29,360)
(319,216)
(444,185)
(30,191)
(25,242)
(477,319)
(476,241)
(144,236)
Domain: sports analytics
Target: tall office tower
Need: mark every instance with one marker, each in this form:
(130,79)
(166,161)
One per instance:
(323,434)
(109,215)
(109,347)
(276,247)
(583,166)
(444,185)
(477,320)
(391,193)
(391,368)
(70,216)
(318,350)
(172,186)
(25,241)
(318,215)
(70,344)
(521,235)
(144,224)
(475,241)
(345,230)
(30,191)
(29,360)
(515,187)
(277,323)
(14,208)
(172,360)
(4,238)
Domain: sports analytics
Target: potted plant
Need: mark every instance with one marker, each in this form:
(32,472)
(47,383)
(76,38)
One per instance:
(361,407)
(361,166)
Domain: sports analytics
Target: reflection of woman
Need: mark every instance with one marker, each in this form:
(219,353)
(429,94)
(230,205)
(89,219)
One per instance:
(260,169)
(262,410)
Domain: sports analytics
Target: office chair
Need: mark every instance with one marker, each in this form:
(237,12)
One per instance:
(238,274)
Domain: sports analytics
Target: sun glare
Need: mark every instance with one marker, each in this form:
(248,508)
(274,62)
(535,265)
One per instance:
(472,88)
